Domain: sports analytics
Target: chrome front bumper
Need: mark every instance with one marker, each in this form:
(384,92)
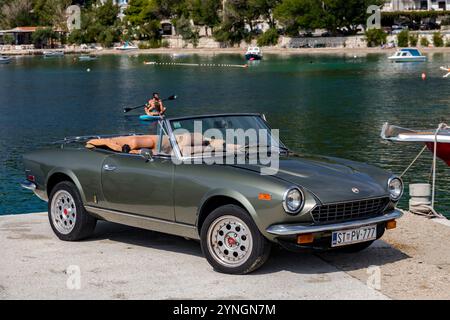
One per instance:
(294,229)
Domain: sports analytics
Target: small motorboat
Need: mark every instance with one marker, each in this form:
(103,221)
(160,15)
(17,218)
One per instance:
(253,53)
(87,57)
(408,55)
(5,59)
(126,46)
(179,55)
(52,54)
(440,136)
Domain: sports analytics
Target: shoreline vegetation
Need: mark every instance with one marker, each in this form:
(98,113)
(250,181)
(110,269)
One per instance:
(177,24)
(213,51)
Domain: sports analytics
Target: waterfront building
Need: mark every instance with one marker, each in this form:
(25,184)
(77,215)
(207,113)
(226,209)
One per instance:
(406,5)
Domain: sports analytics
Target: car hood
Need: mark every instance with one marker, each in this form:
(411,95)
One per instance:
(330,179)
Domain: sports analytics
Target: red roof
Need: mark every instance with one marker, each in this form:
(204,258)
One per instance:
(25,29)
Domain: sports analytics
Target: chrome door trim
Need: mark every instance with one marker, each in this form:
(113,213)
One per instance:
(148,223)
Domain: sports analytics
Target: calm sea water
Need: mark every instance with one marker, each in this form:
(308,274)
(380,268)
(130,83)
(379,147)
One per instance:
(323,104)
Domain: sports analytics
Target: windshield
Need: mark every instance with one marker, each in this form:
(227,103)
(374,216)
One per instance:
(224,133)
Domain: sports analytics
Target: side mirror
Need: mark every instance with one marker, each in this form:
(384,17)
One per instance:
(147,154)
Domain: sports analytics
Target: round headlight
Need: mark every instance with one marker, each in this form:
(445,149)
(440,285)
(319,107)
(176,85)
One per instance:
(293,201)
(395,188)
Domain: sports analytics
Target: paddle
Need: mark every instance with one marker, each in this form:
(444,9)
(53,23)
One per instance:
(128,109)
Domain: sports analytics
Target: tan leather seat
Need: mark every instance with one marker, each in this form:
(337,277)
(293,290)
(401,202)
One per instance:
(117,143)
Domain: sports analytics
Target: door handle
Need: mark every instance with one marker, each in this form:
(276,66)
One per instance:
(109,167)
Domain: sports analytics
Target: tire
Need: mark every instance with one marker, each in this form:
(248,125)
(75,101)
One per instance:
(67,216)
(231,241)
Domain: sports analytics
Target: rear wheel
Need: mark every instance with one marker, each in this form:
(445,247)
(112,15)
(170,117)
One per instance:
(68,218)
(231,241)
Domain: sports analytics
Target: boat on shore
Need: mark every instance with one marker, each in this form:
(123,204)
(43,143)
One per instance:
(5,59)
(439,136)
(408,55)
(87,57)
(55,53)
(253,53)
(126,46)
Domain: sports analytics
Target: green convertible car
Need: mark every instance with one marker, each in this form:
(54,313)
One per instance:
(228,198)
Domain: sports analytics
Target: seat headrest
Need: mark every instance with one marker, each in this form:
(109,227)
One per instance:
(189,139)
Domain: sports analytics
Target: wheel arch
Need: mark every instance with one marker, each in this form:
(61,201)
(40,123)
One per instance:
(58,175)
(217,198)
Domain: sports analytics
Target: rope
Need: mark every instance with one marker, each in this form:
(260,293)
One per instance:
(415,159)
(424,208)
(196,64)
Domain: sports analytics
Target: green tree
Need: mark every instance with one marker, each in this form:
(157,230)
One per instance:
(205,12)
(424,42)
(8,39)
(268,38)
(300,14)
(438,39)
(51,12)
(413,40)
(375,37)
(16,13)
(142,20)
(187,32)
(403,38)
(333,15)
(99,23)
(43,37)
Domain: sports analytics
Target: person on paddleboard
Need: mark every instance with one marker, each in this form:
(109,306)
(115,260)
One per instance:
(155,106)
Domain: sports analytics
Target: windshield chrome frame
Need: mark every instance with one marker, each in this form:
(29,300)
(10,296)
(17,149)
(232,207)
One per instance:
(176,148)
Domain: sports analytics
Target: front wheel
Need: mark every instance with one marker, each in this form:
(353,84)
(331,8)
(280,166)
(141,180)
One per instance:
(231,241)
(68,218)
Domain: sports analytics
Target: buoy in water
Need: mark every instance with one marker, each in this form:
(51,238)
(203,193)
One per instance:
(424,75)
(88,70)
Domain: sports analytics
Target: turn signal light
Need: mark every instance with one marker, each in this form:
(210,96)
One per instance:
(392,224)
(305,238)
(264,196)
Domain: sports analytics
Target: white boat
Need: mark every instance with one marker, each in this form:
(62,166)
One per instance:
(407,55)
(126,46)
(5,59)
(440,136)
(55,53)
(253,53)
(87,58)
(179,55)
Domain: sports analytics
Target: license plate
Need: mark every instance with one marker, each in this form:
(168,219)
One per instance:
(350,236)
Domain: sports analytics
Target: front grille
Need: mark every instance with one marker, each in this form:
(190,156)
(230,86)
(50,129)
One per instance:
(345,211)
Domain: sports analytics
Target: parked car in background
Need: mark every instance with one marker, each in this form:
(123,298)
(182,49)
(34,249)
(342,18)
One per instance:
(430,25)
(396,29)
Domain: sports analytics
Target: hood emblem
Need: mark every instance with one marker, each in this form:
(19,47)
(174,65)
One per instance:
(355,190)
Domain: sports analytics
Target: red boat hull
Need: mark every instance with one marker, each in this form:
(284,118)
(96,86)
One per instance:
(443,151)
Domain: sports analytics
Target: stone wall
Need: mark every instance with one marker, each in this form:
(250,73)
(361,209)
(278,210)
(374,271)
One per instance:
(357,41)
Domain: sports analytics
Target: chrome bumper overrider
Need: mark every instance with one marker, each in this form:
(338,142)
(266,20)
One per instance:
(28,185)
(293,229)
(32,186)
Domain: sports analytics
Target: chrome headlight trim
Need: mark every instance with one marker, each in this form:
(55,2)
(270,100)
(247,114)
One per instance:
(285,206)
(389,188)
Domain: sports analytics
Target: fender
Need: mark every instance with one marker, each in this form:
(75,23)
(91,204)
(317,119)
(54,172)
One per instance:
(71,175)
(230,193)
